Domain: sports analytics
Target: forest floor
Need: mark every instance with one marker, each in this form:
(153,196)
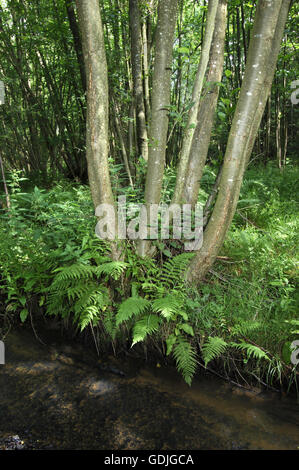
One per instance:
(249,296)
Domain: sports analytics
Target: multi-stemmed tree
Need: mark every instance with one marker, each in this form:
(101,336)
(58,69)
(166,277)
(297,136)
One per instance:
(261,59)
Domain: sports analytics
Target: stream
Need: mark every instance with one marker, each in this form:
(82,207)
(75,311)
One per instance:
(59,396)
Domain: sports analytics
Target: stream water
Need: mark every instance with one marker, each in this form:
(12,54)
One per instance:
(58,397)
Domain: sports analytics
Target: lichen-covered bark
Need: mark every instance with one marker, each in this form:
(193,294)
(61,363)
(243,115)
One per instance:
(167,15)
(262,57)
(196,95)
(206,111)
(97,144)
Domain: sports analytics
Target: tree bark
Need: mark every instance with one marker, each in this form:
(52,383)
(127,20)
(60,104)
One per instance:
(262,56)
(206,112)
(136,58)
(196,94)
(97,143)
(167,16)
(77,40)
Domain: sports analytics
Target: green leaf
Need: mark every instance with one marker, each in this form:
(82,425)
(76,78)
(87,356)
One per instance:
(213,348)
(146,325)
(170,342)
(187,328)
(168,306)
(131,307)
(22,301)
(183,50)
(24,314)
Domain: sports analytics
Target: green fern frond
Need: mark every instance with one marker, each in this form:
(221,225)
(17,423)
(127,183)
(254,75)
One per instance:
(146,325)
(167,306)
(114,269)
(75,271)
(92,297)
(244,327)
(78,291)
(173,271)
(251,350)
(109,323)
(185,357)
(90,315)
(131,307)
(213,348)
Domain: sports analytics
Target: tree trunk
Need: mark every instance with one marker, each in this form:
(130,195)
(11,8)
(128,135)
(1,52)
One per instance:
(262,56)
(202,133)
(77,40)
(97,143)
(136,58)
(196,94)
(167,15)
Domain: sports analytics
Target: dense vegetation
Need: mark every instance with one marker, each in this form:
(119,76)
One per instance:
(240,319)
(237,323)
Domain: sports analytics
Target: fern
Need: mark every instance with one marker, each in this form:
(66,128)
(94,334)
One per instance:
(244,327)
(146,325)
(185,357)
(168,306)
(109,323)
(251,350)
(173,271)
(213,348)
(114,269)
(131,307)
(75,271)
(87,316)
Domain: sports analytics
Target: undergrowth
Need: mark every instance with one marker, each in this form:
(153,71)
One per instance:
(237,323)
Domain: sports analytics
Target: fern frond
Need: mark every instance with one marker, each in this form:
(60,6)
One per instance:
(87,316)
(77,291)
(244,327)
(173,271)
(75,271)
(251,350)
(109,323)
(114,269)
(131,307)
(146,325)
(167,306)
(213,348)
(185,357)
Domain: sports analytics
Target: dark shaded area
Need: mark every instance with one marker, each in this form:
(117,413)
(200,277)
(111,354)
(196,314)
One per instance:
(52,399)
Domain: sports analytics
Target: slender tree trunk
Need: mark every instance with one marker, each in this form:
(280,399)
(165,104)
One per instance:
(97,143)
(202,133)
(146,73)
(136,58)
(268,128)
(119,133)
(277,134)
(167,16)
(77,40)
(262,56)
(5,185)
(196,94)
